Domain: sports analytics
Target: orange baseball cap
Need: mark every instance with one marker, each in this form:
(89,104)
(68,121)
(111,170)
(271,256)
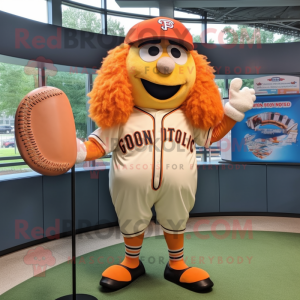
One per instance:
(160,28)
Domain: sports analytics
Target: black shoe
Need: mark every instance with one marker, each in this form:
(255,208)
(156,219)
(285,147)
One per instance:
(117,285)
(200,286)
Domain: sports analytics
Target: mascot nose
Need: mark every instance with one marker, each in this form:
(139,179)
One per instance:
(165,65)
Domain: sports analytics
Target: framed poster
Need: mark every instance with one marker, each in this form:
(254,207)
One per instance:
(269,131)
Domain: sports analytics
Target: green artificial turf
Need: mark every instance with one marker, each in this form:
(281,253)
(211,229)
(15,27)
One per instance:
(273,272)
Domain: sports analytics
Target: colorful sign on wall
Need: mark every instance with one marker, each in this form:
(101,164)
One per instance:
(269,132)
(279,84)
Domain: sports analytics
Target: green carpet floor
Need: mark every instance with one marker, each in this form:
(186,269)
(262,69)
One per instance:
(272,273)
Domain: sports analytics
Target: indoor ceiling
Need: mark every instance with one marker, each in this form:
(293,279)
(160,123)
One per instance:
(281,16)
(280,19)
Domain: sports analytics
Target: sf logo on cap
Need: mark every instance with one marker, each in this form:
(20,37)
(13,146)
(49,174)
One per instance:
(166,24)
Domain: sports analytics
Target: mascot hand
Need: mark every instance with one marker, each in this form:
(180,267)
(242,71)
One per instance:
(240,101)
(81,151)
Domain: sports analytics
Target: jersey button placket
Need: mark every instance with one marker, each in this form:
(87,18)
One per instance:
(157,149)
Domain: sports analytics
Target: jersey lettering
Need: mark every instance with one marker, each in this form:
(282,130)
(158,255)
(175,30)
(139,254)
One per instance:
(171,134)
(146,137)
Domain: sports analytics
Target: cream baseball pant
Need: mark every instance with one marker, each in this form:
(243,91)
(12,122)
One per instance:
(133,197)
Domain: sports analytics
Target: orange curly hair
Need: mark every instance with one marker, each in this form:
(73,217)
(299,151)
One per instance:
(111,100)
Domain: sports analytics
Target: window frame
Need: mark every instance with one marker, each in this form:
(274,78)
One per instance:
(55,18)
(104,11)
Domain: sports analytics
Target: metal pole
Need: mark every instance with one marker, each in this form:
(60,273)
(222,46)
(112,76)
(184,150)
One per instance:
(205,27)
(55,12)
(227,87)
(205,154)
(42,76)
(73,233)
(104,18)
(74,296)
(88,88)
(166,8)
(89,122)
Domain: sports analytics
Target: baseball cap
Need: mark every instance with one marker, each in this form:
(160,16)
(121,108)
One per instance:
(160,28)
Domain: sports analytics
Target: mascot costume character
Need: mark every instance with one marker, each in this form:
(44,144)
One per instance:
(154,99)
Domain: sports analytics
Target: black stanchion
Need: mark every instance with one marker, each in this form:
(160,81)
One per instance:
(74,296)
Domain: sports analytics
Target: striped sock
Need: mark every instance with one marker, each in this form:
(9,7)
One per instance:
(132,251)
(176,255)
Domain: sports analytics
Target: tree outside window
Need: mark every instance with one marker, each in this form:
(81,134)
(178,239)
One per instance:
(243,34)
(81,19)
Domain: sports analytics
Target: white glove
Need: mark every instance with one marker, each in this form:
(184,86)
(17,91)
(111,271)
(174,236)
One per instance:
(81,151)
(240,101)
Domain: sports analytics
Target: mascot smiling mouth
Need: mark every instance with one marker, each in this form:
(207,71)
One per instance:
(158,91)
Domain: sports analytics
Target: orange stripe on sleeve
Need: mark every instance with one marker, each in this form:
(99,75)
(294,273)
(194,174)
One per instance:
(94,150)
(222,129)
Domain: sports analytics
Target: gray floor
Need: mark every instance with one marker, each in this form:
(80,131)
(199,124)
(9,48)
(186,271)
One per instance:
(14,271)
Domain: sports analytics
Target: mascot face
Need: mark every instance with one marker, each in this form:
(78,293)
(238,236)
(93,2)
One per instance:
(162,73)
(156,67)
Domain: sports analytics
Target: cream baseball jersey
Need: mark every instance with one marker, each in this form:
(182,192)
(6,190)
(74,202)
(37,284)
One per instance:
(153,163)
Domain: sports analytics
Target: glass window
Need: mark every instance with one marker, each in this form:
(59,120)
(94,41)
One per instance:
(154,12)
(81,19)
(181,14)
(265,36)
(241,34)
(96,3)
(112,5)
(120,25)
(195,29)
(221,85)
(8,149)
(215,33)
(246,82)
(73,85)
(31,9)
(11,95)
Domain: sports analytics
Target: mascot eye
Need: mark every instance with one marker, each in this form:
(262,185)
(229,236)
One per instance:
(175,52)
(150,52)
(153,50)
(178,54)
